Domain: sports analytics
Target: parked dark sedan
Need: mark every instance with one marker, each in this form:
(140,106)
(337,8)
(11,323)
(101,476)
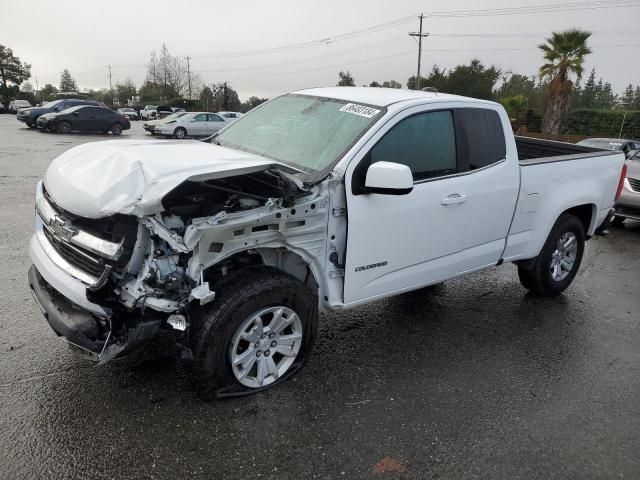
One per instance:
(85,118)
(29,116)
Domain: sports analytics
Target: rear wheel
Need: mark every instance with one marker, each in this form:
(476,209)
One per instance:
(116,129)
(180,133)
(258,331)
(65,127)
(556,266)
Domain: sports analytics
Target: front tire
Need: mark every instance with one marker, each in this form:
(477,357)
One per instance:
(556,266)
(180,133)
(65,127)
(258,331)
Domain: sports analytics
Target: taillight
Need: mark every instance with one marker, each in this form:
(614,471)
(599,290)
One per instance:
(623,175)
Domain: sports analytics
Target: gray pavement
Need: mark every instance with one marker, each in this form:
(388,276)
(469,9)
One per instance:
(470,379)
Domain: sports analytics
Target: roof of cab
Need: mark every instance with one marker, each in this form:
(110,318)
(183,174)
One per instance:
(382,97)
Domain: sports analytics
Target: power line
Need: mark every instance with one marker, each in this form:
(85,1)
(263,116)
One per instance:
(312,43)
(528,9)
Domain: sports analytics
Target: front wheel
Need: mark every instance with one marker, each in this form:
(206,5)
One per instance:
(180,133)
(116,129)
(553,270)
(258,331)
(65,127)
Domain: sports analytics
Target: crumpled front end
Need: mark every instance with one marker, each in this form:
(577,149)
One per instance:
(111,283)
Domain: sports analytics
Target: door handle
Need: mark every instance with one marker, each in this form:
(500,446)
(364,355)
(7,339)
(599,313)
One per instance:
(454,199)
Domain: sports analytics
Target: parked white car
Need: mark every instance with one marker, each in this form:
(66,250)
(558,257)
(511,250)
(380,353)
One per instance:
(149,112)
(16,105)
(150,125)
(194,124)
(321,199)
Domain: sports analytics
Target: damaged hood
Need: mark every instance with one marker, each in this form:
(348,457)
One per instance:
(131,177)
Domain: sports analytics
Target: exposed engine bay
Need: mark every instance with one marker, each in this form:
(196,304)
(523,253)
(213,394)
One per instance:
(168,262)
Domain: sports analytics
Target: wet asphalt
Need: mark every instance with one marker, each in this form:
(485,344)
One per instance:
(470,379)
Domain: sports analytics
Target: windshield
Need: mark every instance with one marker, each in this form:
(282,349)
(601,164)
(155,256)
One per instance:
(307,132)
(51,104)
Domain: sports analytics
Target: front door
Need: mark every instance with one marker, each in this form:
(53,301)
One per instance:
(397,242)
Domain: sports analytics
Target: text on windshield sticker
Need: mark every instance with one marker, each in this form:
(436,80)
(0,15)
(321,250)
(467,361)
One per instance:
(362,110)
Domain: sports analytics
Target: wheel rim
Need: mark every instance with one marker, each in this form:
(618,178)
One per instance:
(65,127)
(265,345)
(180,133)
(117,129)
(564,256)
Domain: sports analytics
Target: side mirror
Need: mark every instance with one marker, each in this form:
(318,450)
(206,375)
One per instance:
(388,178)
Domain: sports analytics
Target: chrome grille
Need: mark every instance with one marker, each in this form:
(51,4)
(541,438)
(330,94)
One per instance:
(75,256)
(635,184)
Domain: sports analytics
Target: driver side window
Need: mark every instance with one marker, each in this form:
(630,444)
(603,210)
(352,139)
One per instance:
(424,142)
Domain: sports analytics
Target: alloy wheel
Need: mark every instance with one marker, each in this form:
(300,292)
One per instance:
(265,346)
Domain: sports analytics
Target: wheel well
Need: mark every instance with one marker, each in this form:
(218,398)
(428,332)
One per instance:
(280,258)
(584,213)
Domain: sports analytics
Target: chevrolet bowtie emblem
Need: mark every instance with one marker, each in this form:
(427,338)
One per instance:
(61,229)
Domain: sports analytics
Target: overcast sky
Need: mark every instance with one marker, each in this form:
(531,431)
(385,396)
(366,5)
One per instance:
(85,36)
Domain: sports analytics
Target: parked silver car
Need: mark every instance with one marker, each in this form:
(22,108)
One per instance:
(622,144)
(150,125)
(194,124)
(628,205)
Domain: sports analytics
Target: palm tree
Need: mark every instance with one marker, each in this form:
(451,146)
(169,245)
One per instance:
(564,53)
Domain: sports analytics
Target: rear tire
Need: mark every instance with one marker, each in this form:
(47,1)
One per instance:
(556,266)
(180,133)
(224,331)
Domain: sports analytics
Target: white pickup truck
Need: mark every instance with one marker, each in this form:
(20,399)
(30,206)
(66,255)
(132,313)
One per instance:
(320,199)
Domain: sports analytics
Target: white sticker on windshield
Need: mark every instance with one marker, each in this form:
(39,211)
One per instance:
(362,110)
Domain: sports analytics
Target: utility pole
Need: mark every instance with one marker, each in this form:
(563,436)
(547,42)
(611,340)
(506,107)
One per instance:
(37,89)
(189,75)
(110,87)
(420,36)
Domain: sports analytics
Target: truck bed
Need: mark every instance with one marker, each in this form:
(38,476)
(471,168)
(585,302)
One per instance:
(533,151)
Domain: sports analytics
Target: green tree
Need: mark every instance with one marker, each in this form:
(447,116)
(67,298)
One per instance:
(206,99)
(67,83)
(374,84)
(47,92)
(251,103)
(628,98)
(12,72)
(124,91)
(564,53)
(473,80)
(345,80)
(391,84)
